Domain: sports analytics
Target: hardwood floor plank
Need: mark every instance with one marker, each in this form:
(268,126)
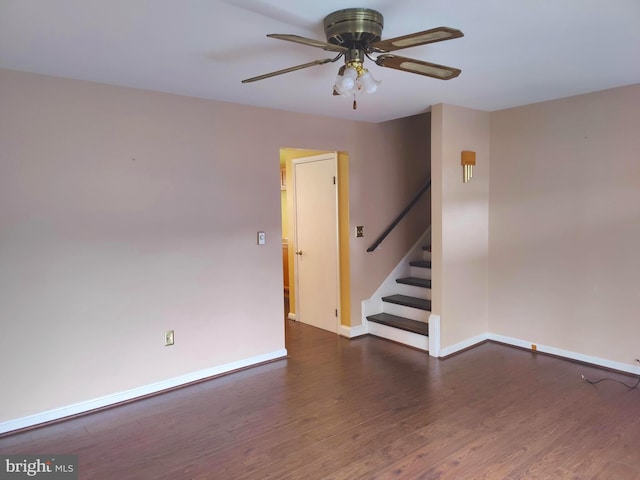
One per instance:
(363,409)
(617,471)
(366,454)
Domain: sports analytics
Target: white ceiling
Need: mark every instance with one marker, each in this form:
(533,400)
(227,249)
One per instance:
(514,52)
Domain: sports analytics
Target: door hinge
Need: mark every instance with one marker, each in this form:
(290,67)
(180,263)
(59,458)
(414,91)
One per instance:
(334,180)
(336,312)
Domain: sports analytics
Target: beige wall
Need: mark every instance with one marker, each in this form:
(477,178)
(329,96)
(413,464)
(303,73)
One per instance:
(460,227)
(565,224)
(394,164)
(547,255)
(124,213)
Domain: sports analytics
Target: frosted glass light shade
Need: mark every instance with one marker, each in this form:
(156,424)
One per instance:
(369,84)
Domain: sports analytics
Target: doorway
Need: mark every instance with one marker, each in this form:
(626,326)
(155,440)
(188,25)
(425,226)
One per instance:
(315,222)
(342,299)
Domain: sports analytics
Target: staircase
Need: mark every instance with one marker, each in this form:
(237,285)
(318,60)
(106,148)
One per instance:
(405,314)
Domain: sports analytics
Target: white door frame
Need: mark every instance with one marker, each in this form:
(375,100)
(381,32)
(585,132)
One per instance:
(314,158)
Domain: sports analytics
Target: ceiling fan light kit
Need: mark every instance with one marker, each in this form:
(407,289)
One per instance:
(355,34)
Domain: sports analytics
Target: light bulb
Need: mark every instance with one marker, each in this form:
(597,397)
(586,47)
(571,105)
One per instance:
(338,86)
(349,78)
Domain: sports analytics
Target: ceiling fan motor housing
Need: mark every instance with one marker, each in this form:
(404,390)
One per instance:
(354,28)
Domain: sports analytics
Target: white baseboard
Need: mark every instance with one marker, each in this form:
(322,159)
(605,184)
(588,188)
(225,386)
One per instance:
(116,398)
(470,342)
(353,332)
(601,362)
(559,352)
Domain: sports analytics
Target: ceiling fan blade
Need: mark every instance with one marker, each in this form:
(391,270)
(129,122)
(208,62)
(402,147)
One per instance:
(330,47)
(418,66)
(414,39)
(290,69)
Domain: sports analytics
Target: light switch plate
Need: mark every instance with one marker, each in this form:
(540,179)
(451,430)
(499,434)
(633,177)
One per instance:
(262,238)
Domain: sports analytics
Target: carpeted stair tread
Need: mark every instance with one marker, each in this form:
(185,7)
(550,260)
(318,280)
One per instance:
(401,323)
(421,263)
(420,303)
(415,281)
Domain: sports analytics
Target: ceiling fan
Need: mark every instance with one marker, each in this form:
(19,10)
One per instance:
(355,33)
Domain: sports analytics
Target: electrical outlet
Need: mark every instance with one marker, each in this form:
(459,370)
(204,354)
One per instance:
(360,231)
(262,238)
(168,338)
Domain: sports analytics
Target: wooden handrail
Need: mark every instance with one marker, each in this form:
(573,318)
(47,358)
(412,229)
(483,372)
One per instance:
(402,214)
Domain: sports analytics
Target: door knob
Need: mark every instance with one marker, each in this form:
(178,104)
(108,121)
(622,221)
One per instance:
(298,252)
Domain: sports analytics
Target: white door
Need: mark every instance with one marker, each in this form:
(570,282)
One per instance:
(316,240)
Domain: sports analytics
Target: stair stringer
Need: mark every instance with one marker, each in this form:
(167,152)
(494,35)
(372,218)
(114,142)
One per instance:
(389,286)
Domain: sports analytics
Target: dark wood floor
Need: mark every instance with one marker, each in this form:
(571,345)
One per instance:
(364,409)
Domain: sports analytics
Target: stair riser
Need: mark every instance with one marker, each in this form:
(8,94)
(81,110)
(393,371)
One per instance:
(407,338)
(421,272)
(426,256)
(407,312)
(413,291)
